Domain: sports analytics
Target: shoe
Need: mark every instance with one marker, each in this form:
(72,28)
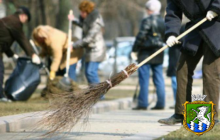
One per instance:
(5,100)
(139,108)
(176,118)
(157,108)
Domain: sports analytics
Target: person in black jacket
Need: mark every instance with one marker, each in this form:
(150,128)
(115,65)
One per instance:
(10,31)
(151,28)
(203,41)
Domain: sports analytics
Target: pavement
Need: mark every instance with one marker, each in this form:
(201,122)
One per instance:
(113,125)
(111,120)
(116,123)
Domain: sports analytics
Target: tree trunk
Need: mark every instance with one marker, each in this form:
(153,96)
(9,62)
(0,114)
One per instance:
(43,14)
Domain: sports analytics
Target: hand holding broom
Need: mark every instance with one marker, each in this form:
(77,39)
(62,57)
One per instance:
(72,107)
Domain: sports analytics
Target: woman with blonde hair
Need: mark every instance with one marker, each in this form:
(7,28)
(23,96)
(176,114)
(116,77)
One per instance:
(53,42)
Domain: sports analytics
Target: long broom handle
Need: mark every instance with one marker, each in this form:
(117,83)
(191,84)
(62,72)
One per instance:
(179,37)
(68,48)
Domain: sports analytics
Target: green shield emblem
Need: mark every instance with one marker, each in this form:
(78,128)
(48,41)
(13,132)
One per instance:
(198,116)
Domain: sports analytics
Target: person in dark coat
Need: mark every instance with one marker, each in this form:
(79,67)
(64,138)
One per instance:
(10,31)
(150,26)
(203,41)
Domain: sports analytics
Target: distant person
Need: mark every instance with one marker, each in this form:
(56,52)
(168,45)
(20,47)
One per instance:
(148,41)
(10,31)
(174,54)
(54,43)
(92,25)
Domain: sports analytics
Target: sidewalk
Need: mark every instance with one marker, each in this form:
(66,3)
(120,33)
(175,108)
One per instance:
(109,123)
(113,125)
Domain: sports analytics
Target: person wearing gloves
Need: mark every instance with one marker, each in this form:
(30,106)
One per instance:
(54,43)
(203,41)
(151,30)
(92,25)
(10,31)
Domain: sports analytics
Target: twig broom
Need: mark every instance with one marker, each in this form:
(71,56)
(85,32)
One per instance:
(71,107)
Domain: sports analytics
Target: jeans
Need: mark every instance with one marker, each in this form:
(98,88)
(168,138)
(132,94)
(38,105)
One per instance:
(91,71)
(72,72)
(174,86)
(1,78)
(144,76)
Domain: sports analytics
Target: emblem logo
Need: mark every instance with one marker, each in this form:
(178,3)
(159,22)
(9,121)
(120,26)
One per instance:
(198,115)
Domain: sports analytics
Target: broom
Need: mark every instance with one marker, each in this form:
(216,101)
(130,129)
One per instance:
(71,107)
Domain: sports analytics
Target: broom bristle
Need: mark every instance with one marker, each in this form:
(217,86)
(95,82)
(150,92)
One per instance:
(68,108)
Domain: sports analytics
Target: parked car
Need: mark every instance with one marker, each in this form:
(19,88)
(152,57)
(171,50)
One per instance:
(118,56)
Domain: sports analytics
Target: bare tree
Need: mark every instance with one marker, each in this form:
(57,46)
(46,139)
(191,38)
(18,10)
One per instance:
(122,17)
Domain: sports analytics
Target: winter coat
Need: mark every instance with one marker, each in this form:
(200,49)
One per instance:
(92,40)
(55,45)
(146,28)
(195,10)
(10,31)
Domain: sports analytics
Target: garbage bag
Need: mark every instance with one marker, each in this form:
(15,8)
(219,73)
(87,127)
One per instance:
(23,81)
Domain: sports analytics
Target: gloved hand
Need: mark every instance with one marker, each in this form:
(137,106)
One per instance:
(35,59)
(172,40)
(71,17)
(210,15)
(15,56)
(134,56)
(52,75)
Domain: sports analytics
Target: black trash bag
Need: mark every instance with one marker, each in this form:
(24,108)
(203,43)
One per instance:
(23,81)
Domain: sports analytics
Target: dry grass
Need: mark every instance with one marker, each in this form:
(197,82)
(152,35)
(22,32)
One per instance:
(183,134)
(36,103)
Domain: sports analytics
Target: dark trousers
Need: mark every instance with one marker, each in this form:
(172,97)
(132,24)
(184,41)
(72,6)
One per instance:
(1,77)
(211,77)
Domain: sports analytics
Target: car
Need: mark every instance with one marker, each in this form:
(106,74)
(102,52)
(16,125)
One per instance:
(117,56)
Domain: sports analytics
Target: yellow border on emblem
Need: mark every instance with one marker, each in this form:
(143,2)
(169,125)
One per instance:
(199,102)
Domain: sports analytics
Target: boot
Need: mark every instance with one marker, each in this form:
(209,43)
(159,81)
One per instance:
(176,118)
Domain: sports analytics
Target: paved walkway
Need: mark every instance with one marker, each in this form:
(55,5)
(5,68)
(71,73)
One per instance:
(113,125)
(116,125)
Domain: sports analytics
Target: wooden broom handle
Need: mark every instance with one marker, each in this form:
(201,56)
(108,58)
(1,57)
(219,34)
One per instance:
(68,47)
(179,37)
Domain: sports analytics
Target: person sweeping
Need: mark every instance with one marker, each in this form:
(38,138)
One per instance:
(92,25)
(202,42)
(152,30)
